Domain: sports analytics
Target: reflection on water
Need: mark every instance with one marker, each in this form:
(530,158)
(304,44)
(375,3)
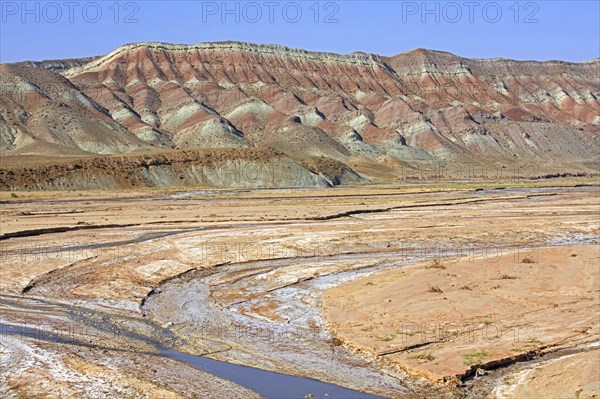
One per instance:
(266,383)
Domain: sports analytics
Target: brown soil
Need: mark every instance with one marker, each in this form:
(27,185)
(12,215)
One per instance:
(447,319)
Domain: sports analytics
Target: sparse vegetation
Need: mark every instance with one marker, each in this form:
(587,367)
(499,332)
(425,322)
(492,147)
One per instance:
(428,357)
(528,260)
(434,289)
(516,349)
(533,342)
(435,264)
(475,358)
(361,311)
(386,338)
(409,333)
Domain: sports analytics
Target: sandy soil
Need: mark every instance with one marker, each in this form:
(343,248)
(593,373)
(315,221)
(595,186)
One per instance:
(570,376)
(239,275)
(447,319)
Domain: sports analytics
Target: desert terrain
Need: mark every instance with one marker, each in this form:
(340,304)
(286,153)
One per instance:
(163,115)
(238,220)
(413,290)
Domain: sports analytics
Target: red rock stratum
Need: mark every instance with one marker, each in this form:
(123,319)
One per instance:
(370,112)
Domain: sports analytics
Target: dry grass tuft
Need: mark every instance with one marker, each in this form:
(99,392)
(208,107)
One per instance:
(528,260)
(434,289)
(435,264)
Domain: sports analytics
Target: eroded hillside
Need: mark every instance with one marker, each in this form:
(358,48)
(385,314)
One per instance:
(375,114)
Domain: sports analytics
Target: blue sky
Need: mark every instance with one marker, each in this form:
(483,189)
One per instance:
(539,30)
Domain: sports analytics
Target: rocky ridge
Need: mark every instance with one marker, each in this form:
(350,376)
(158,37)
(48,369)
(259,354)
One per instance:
(369,112)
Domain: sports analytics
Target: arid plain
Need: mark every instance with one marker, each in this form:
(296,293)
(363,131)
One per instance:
(239,220)
(463,289)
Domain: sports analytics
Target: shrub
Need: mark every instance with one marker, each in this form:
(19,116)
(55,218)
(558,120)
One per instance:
(434,289)
(435,264)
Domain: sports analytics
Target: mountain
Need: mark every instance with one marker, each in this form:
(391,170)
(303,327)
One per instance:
(373,113)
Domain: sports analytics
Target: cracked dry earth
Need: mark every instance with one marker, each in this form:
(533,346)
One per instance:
(340,286)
